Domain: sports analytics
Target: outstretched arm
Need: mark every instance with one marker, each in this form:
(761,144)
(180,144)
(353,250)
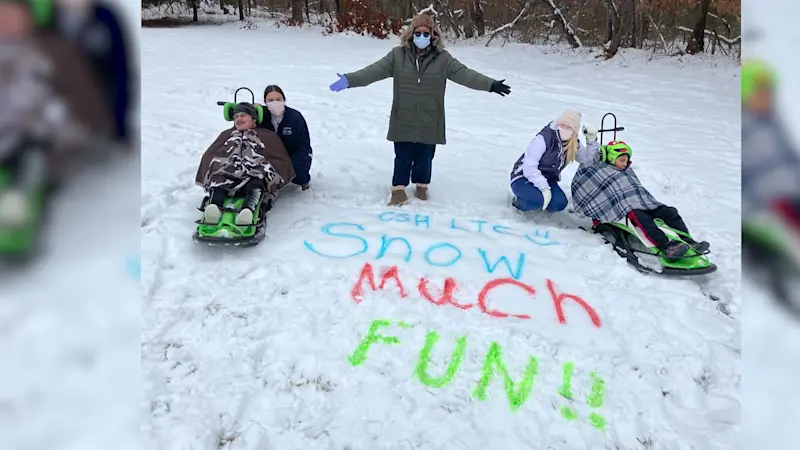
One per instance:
(377,71)
(530,164)
(463,75)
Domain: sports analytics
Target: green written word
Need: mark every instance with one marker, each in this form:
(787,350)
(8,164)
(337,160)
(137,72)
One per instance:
(516,392)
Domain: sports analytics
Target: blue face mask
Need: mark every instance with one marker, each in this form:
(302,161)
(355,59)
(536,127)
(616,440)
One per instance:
(422,41)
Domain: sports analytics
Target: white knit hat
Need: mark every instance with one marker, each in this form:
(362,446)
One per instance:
(571,119)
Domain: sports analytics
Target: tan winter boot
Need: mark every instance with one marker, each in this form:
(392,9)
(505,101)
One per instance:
(421,192)
(399,196)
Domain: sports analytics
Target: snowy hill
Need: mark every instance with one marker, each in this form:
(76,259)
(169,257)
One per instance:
(451,324)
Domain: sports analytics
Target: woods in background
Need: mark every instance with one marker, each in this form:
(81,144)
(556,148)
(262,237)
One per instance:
(672,27)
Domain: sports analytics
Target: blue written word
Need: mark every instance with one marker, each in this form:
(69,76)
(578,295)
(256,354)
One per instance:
(442,254)
(538,237)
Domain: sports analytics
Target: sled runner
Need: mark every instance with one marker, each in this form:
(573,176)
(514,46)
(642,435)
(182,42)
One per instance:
(632,244)
(227,232)
(771,250)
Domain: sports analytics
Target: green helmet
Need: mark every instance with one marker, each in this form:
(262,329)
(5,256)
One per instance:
(756,74)
(614,149)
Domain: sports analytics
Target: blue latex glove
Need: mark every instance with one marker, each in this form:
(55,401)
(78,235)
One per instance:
(341,84)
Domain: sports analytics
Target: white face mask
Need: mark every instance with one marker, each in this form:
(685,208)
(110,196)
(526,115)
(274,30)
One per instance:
(565,133)
(276,107)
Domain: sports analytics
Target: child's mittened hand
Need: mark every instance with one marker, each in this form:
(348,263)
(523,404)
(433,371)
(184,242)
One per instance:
(547,195)
(590,133)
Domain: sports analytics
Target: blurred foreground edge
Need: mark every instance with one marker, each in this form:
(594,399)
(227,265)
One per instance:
(770,190)
(66,84)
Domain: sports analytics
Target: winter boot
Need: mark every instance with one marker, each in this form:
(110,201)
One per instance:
(699,247)
(251,201)
(421,191)
(14,208)
(399,196)
(212,214)
(305,186)
(675,249)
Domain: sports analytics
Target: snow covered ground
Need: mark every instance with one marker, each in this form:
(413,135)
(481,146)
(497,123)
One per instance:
(770,339)
(69,322)
(271,347)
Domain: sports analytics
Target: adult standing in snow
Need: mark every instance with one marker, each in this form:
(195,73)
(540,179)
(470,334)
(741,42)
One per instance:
(535,176)
(291,127)
(420,68)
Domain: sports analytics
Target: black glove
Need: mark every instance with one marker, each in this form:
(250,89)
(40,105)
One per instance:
(498,87)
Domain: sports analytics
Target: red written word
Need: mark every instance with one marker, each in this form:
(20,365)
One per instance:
(445,297)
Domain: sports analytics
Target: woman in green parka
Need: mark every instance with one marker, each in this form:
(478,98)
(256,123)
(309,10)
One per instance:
(420,68)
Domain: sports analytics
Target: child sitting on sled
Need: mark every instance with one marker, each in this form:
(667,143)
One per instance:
(51,113)
(606,189)
(243,160)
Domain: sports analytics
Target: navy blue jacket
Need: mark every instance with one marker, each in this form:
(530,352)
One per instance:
(551,163)
(292,130)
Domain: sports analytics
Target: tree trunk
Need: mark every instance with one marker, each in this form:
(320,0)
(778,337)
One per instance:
(241,9)
(468,14)
(614,30)
(697,42)
(308,12)
(477,18)
(297,12)
(644,27)
(563,25)
(194,10)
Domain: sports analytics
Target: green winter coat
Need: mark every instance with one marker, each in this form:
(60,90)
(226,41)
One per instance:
(419,86)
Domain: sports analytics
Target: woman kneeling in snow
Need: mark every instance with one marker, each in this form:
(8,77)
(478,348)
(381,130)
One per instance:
(243,160)
(535,176)
(606,189)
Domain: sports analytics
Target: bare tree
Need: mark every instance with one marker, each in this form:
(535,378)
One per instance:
(697,41)
(297,11)
(610,26)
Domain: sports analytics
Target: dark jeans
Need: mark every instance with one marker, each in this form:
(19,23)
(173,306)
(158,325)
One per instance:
(529,197)
(412,161)
(218,195)
(302,167)
(645,220)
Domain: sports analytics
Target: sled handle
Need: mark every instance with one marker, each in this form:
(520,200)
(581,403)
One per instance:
(614,129)
(611,129)
(221,103)
(252,95)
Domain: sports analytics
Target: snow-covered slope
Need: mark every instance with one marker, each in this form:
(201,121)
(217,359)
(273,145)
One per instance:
(548,340)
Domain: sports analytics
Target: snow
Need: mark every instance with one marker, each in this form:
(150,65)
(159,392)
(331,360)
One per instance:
(771,399)
(257,348)
(69,320)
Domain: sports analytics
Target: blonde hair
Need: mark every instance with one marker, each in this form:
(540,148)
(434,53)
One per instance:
(571,149)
